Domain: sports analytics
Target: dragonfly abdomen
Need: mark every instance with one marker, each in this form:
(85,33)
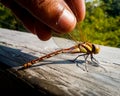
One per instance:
(26,65)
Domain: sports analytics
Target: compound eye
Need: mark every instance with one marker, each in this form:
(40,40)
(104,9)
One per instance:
(97,49)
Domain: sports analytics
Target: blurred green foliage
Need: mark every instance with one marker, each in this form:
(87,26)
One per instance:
(101,24)
(8,20)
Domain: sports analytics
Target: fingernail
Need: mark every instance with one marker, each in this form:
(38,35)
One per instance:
(66,22)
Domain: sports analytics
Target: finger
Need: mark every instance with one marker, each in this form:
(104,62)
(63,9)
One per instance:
(78,8)
(32,24)
(42,31)
(52,13)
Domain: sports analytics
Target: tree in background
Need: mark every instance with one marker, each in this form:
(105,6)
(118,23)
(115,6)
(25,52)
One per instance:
(111,7)
(102,22)
(7,20)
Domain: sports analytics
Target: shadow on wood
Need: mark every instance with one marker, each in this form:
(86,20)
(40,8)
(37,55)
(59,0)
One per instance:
(58,75)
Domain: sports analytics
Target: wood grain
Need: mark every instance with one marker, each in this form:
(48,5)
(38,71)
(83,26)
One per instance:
(58,75)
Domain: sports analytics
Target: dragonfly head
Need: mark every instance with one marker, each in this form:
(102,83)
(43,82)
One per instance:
(96,49)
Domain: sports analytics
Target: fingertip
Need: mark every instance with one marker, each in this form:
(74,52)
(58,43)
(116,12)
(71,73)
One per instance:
(42,31)
(66,22)
(44,36)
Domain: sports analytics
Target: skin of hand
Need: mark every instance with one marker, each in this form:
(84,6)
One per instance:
(41,17)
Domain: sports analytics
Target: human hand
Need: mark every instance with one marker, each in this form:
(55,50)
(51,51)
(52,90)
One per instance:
(41,17)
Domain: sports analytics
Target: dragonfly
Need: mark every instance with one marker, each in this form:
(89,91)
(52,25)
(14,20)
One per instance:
(87,48)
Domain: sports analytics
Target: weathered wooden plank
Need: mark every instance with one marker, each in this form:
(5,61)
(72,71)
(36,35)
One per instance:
(58,75)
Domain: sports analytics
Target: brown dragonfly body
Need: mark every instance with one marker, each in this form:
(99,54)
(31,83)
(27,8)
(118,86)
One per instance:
(85,47)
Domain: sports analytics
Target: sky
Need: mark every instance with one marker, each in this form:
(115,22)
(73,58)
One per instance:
(88,0)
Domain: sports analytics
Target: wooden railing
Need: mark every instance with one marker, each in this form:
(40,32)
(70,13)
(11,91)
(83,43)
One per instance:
(58,75)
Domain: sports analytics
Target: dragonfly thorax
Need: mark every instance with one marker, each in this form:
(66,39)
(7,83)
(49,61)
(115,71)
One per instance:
(88,48)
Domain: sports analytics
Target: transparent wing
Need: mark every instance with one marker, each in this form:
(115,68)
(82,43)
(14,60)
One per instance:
(63,42)
(72,38)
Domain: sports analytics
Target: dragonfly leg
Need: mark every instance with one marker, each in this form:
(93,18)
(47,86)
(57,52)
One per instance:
(85,56)
(79,56)
(96,63)
(86,62)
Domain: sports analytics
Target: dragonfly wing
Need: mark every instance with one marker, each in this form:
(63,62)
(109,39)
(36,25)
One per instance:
(63,43)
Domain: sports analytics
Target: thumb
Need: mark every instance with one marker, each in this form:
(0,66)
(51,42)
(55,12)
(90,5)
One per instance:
(53,13)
